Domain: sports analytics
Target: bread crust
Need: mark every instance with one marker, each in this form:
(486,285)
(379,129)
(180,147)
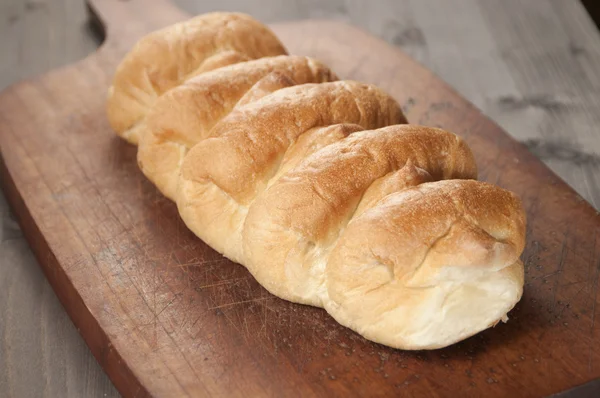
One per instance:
(185,115)
(430,265)
(165,58)
(221,176)
(291,228)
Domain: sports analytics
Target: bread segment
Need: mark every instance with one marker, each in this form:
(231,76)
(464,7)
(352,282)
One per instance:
(185,115)
(430,265)
(291,228)
(223,175)
(166,58)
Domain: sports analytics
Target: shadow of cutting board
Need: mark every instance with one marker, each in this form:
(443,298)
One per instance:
(167,316)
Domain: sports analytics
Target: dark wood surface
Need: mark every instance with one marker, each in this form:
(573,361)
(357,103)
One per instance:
(181,318)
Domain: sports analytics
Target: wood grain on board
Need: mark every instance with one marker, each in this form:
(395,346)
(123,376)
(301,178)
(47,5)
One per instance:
(166,315)
(41,352)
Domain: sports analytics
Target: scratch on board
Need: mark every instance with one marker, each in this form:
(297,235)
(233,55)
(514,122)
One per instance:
(546,276)
(140,246)
(264,328)
(534,251)
(247,333)
(177,295)
(220,283)
(561,265)
(240,302)
(196,321)
(227,317)
(575,283)
(203,262)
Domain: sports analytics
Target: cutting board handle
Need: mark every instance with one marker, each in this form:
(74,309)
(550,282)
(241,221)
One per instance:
(120,24)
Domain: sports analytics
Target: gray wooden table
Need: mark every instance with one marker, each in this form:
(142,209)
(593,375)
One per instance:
(531,65)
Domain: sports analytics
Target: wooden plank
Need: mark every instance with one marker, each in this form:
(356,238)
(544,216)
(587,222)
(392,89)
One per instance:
(165,315)
(558,84)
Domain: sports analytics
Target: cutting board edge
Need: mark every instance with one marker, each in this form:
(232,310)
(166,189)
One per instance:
(87,324)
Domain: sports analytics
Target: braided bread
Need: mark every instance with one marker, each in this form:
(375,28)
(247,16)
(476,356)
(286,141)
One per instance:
(358,222)
(328,197)
(221,176)
(186,114)
(292,227)
(428,266)
(167,57)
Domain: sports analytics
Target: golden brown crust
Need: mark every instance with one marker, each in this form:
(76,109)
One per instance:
(272,82)
(408,176)
(312,141)
(429,265)
(251,139)
(185,115)
(221,176)
(305,210)
(165,58)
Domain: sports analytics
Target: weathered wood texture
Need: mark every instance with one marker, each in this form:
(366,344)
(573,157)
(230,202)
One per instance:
(534,69)
(41,353)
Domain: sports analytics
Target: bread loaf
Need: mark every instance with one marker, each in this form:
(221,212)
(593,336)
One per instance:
(167,57)
(185,115)
(319,187)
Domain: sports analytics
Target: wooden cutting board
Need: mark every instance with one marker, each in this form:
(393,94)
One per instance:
(167,316)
